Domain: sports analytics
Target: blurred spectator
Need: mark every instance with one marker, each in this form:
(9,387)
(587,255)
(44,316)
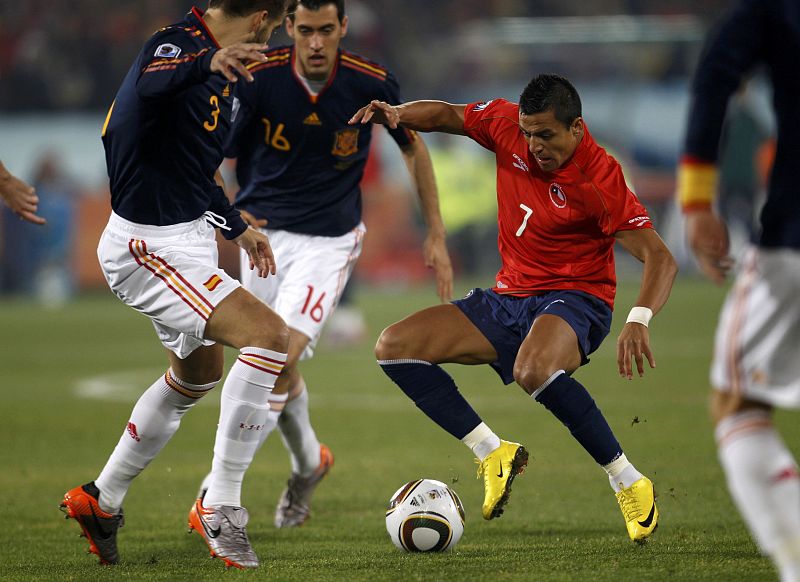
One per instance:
(66,56)
(38,258)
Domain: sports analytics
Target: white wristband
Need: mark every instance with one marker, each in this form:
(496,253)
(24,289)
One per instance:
(641,315)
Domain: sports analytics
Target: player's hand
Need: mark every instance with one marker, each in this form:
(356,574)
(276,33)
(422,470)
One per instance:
(634,344)
(230,61)
(251,220)
(377,112)
(708,239)
(434,250)
(256,244)
(20,198)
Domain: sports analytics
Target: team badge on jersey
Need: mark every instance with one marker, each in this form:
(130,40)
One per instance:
(167,51)
(345,142)
(557,196)
(482,105)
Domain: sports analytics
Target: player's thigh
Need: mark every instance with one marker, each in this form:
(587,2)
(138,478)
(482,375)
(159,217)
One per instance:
(755,348)
(551,345)
(438,334)
(244,320)
(169,274)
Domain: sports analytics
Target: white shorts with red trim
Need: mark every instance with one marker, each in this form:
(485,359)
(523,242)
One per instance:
(169,273)
(757,346)
(312,274)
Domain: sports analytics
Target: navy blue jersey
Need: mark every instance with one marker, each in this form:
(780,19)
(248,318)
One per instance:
(299,162)
(165,132)
(755,32)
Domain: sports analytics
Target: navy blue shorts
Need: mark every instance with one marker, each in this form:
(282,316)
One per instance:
(505,320)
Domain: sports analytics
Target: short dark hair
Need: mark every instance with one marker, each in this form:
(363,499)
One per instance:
(315,5)
(548,91)
(275,8)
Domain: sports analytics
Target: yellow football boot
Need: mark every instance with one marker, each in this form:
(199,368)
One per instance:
(499,469)
(638,505)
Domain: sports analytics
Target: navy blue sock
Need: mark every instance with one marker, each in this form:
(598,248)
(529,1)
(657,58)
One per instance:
(570,402)
(434,392)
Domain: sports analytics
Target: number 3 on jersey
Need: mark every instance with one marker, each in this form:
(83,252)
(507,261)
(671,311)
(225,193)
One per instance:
(317,311)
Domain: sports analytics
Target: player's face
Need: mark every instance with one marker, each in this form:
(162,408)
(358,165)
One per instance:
(316,35)
(549,141)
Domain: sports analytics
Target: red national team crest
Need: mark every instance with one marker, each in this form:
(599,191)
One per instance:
(557,196)
(345,142)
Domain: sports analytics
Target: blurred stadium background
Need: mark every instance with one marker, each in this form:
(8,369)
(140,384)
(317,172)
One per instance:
(61,63)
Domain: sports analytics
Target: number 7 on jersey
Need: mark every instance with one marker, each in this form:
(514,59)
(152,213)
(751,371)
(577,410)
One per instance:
(528,212)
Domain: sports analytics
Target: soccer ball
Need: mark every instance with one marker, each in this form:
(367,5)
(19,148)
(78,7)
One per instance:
(425,516)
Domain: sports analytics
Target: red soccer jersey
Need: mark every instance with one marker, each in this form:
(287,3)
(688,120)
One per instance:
(556,229)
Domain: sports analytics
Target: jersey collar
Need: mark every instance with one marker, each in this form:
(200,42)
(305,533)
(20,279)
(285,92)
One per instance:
(195,18)
(311,97)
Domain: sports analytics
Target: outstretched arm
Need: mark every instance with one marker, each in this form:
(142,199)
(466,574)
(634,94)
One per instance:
(19,197)
(434,250)
(659,273)
(416,115)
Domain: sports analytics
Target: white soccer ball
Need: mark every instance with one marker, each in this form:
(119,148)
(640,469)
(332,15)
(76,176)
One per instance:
(425,516)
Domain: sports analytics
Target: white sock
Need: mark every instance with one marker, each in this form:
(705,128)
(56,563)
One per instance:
(155,418)
(243,415)
(276,403)
(763,480)
(621,473)
(481,440)
(298,435)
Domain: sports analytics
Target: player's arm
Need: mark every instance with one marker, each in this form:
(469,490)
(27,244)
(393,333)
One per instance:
(418,161)
(417,115)
(165,76)
(727,57)
(19,196)
(658,274)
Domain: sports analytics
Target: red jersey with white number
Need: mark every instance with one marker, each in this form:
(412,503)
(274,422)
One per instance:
(556,229)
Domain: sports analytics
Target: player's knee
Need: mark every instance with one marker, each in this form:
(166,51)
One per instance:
(532,374)
(724,404)
(268,331)
(393,344)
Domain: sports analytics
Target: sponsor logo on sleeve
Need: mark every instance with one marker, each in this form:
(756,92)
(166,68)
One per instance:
(482,105)
(167,51)
(639,220)
(518,163)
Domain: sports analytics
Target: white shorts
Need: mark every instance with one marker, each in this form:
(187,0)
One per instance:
(169,273)
(312,274)
(757,346)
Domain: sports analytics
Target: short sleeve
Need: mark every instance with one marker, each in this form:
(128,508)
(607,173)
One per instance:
(622,208)
(482,121)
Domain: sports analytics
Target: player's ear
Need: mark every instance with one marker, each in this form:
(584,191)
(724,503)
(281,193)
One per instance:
(258,19)
(577,126)
(344,26)
(289,27)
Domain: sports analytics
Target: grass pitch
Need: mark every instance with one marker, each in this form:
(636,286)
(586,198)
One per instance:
(70,377)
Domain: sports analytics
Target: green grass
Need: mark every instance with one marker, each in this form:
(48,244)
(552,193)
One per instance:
(562,522)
